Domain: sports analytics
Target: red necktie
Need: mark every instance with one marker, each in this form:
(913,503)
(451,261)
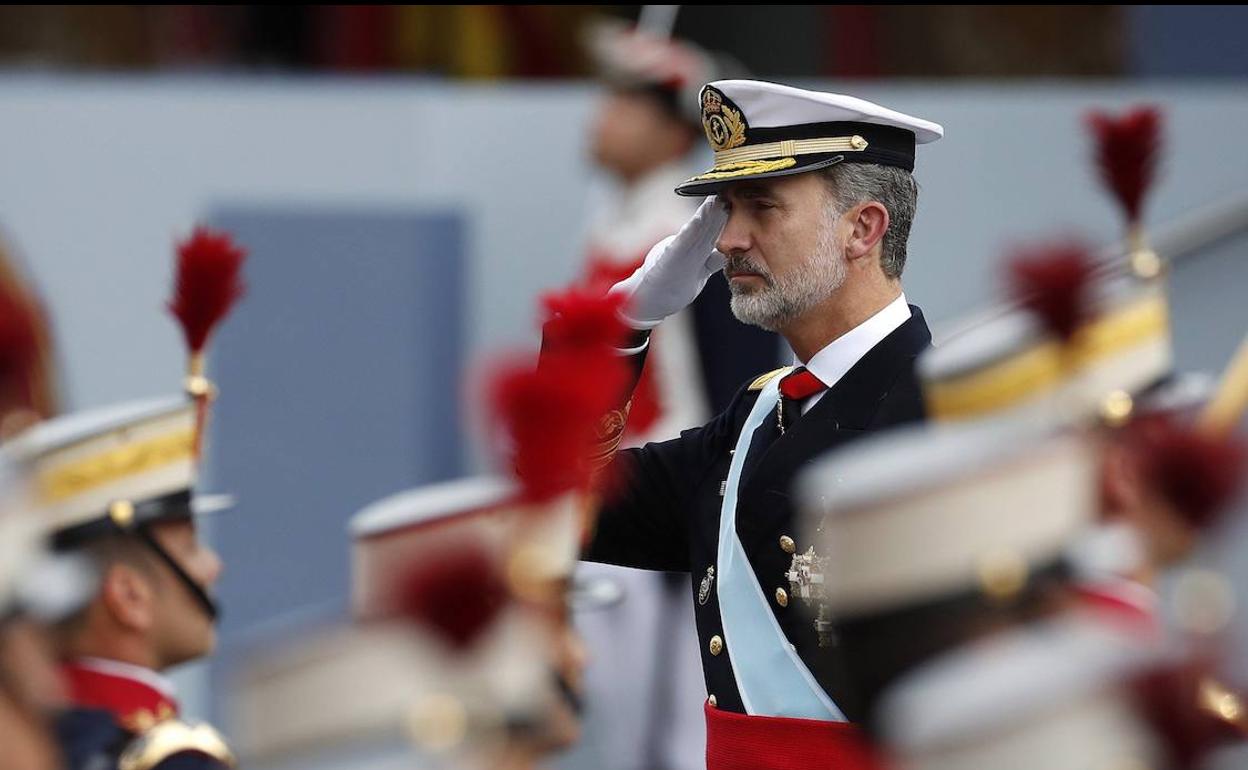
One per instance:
(800,384)
(796,387)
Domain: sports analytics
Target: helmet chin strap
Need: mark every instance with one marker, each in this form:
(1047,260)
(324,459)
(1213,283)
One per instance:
(197,591)
(539,725)
(569,694)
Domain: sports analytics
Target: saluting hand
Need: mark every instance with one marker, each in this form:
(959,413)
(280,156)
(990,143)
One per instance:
(676,269)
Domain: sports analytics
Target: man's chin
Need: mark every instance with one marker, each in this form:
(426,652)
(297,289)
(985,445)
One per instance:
(194,649)
(748,313)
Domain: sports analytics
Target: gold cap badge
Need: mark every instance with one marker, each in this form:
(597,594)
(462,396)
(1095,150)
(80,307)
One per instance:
(725,127)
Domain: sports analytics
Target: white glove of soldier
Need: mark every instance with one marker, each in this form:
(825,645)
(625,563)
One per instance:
(676,269)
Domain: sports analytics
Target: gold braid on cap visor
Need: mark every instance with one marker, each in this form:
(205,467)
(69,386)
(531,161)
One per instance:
(776,156)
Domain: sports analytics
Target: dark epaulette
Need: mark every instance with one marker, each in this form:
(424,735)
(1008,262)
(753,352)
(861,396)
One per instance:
(762,381)
(173,740)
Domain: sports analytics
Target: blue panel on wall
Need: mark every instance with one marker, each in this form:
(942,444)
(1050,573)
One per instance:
(338,386)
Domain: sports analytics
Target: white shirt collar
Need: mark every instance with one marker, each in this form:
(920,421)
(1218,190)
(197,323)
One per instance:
(832,362)
(156,681)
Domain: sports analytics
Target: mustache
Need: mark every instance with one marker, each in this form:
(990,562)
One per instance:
(735,264)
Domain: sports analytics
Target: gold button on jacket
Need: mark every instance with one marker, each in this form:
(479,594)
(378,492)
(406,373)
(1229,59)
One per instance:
(717,645)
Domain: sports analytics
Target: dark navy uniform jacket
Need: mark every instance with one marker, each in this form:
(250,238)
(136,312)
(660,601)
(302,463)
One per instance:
(92,739)
(121,720)
(665,510)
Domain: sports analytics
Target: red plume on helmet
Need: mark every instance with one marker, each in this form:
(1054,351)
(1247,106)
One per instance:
(1053,282)
(1126,154)
(582,322)
(20,353)
(1198,473)
(550,413)
(207,284)
(457,594)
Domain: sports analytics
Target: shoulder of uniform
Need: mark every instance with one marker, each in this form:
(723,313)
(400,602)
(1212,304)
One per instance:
(173,738)
(85,734)
(762,381)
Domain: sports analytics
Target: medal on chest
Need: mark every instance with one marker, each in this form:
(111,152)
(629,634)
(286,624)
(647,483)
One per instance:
(704,590)
(806,581)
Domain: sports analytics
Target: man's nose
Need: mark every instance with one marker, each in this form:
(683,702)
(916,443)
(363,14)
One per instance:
(212,567)
(735,237)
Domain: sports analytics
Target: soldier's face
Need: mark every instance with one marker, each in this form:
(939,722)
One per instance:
(182,631)
(784,246)
(632,134)
(568,659)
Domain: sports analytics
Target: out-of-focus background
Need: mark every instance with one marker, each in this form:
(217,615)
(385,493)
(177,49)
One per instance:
(409,179)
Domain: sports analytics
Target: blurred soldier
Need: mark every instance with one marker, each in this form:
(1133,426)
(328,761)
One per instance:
(1091,344)
(1055,695)
(930,580)
(645,690)
(461,654)
(966,628)
(28,393)
(115,486)
(971,539)
(462,651)
(1171,462)
(35,588)
(1080,351)
(810,224)
(31,593)
(1085,359)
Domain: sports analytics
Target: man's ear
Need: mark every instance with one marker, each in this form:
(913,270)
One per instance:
(128,596)
(868,223)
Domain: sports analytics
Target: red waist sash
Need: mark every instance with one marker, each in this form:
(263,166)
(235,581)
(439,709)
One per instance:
(742,742)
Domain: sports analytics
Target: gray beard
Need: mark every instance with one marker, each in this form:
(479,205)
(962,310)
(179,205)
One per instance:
(786,298)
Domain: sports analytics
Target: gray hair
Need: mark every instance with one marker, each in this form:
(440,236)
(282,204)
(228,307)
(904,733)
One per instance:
(895,188)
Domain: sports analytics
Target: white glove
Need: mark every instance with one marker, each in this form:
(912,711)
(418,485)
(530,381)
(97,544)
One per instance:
(676,269)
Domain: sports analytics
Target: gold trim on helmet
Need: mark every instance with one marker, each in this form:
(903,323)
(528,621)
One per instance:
(84,474)
(1042,368)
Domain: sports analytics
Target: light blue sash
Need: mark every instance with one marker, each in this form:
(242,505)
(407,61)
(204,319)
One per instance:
(772,679)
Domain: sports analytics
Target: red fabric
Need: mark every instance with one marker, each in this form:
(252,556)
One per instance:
(741,742)
(135,705)
(800,384)
(647,408)
(1120,605)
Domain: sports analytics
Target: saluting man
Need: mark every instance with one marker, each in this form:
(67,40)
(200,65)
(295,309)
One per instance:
(644,691)
(813,204)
